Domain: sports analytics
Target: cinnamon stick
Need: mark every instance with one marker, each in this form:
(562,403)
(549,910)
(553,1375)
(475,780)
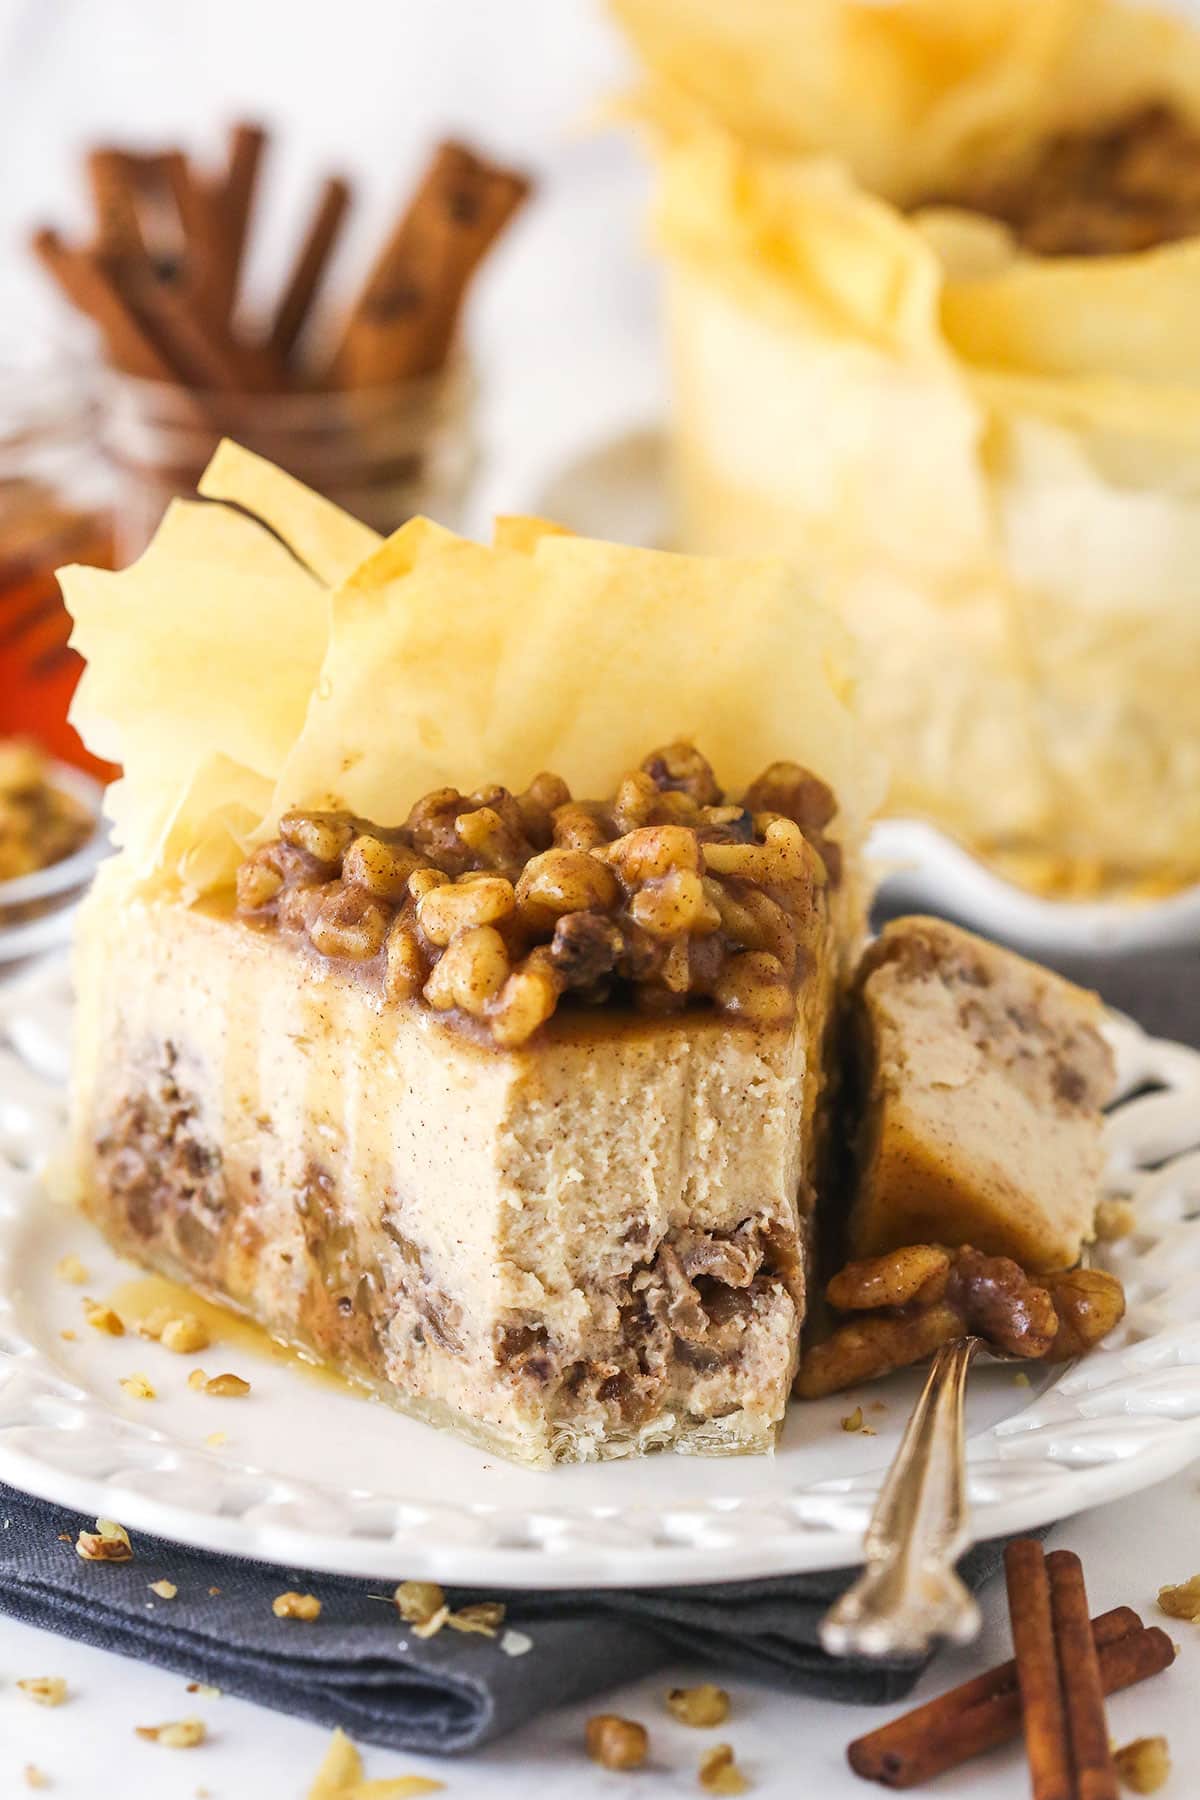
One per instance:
(1042,1711)
(985,1712)
(1095,1777)
(300,290)
(86,282)
(113,179)
(403,321)
(231,203)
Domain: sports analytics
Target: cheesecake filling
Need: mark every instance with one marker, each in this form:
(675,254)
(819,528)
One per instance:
(566,1208)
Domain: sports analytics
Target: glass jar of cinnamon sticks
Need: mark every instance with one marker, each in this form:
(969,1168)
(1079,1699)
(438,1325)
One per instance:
(382,453)
(371,408)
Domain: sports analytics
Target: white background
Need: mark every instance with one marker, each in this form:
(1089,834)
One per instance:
(562,319)
(563,327)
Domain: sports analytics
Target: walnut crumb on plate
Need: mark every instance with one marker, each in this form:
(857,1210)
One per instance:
(1143,1765)
(35,1777)
(177,1734)
(296,1606)
(70,1269)
(108,1543)
(139,1387)
(47,1690)
(103,1318)
(166,1590)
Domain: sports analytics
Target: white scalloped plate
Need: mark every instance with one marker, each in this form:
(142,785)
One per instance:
(619,489)
(314,1477)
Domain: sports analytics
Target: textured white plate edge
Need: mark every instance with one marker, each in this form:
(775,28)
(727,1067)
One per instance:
(515,1556)
(615,487)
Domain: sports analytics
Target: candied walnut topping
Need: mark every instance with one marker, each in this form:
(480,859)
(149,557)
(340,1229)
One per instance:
(496,906)
(1104,191)
(616,1743)
(1144,1765)
(907,1303)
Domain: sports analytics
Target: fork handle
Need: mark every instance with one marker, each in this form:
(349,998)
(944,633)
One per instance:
(909,1594)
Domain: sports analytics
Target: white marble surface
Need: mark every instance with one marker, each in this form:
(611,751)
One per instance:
(792,1748)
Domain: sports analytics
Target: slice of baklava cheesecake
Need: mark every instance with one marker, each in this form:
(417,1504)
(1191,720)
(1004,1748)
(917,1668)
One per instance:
(503,1090)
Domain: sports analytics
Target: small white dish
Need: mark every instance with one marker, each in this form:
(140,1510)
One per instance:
(56,890)
(618,489)
(314,1477)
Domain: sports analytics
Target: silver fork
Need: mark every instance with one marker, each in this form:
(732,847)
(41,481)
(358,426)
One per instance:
(909,1593)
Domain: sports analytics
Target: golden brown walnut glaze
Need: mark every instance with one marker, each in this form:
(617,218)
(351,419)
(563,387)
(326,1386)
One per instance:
(1105,191)
(495,905)
(908,1302)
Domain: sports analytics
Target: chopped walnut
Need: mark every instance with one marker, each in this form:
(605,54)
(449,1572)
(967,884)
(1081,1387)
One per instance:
(179,1734)
(138,1387)
(494,906)
(929,1295)
(483,1616)
(197,1380)
(185,1334)
(47,1690)
(1144,1765)
(166,1590)
(296,1606)
(704,1705)
(719,1773)
(616,1743)
(1182,1602)
(418,1601)
(35,1777)
(226,1387)
(103,1318)
(853,1421)
(108,1543)
(70,1269)
(340,1777)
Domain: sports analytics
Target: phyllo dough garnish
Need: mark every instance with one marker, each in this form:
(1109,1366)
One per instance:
(503,1094)
(932,267)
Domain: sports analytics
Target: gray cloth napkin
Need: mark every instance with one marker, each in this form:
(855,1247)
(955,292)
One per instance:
(359,1667)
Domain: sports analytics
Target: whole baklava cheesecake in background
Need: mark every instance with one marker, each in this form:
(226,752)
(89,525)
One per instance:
(447,1009)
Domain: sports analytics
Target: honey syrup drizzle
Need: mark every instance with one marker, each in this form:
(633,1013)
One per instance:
(135,1300)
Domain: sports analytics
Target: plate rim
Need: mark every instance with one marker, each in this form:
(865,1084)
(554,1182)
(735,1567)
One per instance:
(776,1533)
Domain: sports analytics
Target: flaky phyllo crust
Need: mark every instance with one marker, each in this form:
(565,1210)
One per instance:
(268,653)
(984,458)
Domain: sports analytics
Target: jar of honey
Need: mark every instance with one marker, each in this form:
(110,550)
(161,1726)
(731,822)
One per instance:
(53,510)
